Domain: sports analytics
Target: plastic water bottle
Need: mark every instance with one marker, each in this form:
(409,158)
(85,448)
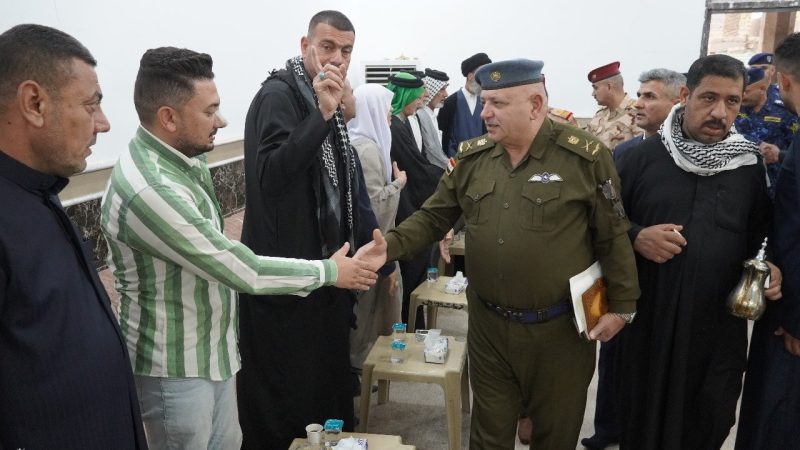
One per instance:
(398,352)
(399,332)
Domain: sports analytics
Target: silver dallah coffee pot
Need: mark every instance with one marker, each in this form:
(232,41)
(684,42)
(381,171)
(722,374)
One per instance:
(746,300)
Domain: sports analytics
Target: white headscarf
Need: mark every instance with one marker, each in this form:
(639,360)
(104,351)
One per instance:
(373,105)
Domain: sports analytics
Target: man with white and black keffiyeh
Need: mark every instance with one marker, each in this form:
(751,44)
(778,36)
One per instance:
(696,196)
(436,83)
(302,202)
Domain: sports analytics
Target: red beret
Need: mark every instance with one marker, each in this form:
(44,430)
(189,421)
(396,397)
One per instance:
(603,72)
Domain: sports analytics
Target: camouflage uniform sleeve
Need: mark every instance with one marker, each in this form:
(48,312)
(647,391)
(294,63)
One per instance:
(438,214)
(626,129)
(612,247)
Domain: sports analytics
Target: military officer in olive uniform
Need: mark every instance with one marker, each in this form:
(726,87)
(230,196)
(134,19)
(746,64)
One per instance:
(541,204)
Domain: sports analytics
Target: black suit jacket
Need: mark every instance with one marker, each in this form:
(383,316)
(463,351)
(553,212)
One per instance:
(65,373)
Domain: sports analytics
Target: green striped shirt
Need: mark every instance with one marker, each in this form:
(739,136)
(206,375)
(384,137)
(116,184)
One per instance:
(176,273)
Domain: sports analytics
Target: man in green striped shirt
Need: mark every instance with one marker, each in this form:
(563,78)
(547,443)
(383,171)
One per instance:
(176,272)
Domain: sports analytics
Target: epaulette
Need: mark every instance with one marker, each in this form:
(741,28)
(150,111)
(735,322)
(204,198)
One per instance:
(578,141)
(563,113)
(475,145)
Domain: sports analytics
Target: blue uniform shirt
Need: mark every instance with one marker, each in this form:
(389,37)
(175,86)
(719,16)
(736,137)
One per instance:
(774,124)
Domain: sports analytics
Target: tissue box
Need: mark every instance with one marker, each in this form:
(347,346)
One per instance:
(437,353)
(352,443)
(457,284)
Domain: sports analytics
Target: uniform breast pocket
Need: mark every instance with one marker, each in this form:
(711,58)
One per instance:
(480,196)
(540,206)
(728,211)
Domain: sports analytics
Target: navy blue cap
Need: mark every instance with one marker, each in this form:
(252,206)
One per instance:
(505,74)
(754,75)
(760,58)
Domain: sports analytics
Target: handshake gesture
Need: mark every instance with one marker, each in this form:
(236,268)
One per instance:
(359,272)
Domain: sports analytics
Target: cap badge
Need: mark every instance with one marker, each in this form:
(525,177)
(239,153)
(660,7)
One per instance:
(495,76)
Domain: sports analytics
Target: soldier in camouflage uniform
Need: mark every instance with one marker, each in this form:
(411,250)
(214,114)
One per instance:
(540,200)
(765,122)
(614,122)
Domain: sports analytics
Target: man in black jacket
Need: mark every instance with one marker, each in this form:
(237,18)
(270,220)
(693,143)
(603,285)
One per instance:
(65,375)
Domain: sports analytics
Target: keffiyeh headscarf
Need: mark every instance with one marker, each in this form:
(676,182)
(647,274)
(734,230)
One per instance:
(371,121)
(406,89)
(338,170)
(705,159)
(432,86)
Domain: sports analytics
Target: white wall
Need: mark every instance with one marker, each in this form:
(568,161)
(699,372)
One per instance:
(248,38)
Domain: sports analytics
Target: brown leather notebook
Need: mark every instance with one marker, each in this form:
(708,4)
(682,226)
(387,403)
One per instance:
(595,303)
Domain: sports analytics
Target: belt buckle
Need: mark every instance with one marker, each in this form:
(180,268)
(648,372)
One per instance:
(542,315)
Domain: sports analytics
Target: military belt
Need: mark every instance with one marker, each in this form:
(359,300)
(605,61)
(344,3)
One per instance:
(530,316)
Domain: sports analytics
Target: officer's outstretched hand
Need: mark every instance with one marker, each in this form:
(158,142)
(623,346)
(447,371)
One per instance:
(444,246)
(374,253)
(607,327)
(352,273)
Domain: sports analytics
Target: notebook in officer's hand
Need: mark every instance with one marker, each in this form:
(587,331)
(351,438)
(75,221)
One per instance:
(589,298)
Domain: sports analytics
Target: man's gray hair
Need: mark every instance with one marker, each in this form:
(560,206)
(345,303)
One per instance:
(673,81)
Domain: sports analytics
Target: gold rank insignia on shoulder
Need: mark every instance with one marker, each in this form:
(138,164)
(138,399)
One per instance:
(495,76)
(574,140)
(587,146)
(545,178)
(451,165)
(474,144)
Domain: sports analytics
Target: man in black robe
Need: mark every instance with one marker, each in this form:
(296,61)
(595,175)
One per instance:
(770,412)
(423,176)
(65,374)
(302,202)
(697,199)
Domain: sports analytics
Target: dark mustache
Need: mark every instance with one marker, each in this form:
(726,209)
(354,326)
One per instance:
(714,123)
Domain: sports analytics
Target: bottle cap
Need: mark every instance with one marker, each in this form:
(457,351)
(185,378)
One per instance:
(334,424)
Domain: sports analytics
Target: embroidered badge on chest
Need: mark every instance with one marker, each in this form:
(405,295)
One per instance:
(545,177)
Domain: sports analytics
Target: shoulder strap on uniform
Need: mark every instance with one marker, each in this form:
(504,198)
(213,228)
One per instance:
(563,113)
(475,145)
(578,141)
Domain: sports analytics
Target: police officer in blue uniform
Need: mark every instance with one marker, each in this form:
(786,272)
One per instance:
(766,122)
(765,61)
